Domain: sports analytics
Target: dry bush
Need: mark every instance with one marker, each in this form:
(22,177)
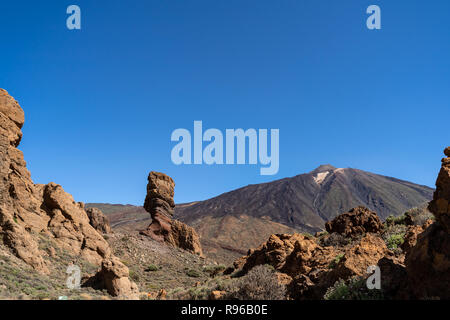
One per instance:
(334,240)
(260,283)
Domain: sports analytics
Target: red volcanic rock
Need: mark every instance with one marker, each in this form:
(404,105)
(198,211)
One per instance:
(428,262)
(357,221)
(312,268)
(30,211)
(159,203)
(447,151)
(27,209)
(113,276)
(440,206)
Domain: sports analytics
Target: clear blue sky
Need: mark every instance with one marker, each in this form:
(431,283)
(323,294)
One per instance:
(101,103)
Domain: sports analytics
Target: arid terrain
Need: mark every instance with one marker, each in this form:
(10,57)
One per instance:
(313,236)
(231,223)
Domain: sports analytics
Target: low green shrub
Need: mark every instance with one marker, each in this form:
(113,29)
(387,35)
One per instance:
(395,241)
(353,289)
(335,261)
(193,273)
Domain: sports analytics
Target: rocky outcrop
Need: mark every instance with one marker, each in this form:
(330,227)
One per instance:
(159,203)
(27,209)
(312,266)
(440,205)
(98,220)
(357,221)
(31,211)
(19,201)
(428,262)
(412,232)
(113,276)
(70,227)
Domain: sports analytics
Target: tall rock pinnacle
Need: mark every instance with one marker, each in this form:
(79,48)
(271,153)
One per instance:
(159,203)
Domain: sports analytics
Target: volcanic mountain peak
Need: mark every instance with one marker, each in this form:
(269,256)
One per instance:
(323,168)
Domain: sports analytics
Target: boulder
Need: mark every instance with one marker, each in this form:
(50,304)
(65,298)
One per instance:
(357,221)
(217,295)
(366,252)
(114,277)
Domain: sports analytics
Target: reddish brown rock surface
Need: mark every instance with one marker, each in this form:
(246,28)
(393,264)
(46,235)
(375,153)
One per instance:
(113,276)
(98,220)
(357,221)
(440,205)
(428,262)
(159,203)
(313,267)
(29,211)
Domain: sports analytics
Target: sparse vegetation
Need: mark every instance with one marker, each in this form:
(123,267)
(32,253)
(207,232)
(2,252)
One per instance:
(334,240)
(193,273)
(214,270)
(259,284)
(335,261)
(19,281)
(392,220)
(353,289)
(151,268)
(395,241)
(134,275)
(308,236)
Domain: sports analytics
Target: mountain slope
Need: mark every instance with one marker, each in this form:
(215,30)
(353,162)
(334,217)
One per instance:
(231,223)
(303,203)
(307,201)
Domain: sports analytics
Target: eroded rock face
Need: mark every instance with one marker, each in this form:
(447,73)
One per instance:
(440,205)
(113,276)
(70,225)
(159,203)
(367,252)
(27,210)
(313,268)
(428,262)
(357,221)
(98,220)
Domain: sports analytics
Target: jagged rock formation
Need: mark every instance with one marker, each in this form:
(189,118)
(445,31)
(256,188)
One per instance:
(98,220)
(313,267)
(428,262)
(357,221)
(159,203)
(29,211)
